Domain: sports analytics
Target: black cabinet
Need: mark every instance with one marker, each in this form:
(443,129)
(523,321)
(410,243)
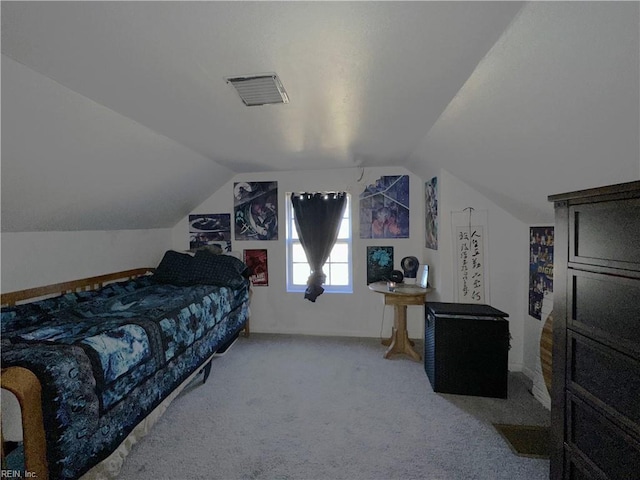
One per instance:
(466,349)
(595,395)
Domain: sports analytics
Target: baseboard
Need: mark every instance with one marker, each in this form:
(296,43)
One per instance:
(538,393)
(316,333)
(542,396)
(529,373)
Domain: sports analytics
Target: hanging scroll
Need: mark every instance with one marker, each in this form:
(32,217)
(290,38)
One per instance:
(469,229)
(470,264)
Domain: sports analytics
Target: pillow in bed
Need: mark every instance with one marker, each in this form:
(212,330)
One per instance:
(174,268)
(214,248)
(220,270)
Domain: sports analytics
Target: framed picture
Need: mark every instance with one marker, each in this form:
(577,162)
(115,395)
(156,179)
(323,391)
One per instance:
(379,263)
(256,260)
(423,276)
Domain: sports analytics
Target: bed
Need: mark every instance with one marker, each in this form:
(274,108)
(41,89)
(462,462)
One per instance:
(95,366)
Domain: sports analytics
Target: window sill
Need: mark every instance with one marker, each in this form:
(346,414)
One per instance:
(326,289)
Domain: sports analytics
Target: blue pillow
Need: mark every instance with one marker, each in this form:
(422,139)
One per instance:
(174,268)
(220,270)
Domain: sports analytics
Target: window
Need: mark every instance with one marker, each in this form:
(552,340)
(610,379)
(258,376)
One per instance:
(338,265)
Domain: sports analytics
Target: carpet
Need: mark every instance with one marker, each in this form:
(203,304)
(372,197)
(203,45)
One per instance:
(292,407)
(526,440)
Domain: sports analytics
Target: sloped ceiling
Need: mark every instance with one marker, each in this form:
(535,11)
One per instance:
(116,114)
(554,107)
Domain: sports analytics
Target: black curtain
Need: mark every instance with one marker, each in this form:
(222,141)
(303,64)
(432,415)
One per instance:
(317,217)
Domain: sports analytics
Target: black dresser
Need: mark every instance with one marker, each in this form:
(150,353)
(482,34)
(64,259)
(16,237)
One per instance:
(595,412)
(466,349)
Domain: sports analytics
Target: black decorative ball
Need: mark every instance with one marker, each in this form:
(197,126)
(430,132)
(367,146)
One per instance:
(396,276)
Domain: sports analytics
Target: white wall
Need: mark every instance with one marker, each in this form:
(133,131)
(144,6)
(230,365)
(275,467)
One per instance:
(508,240)
(532,367)
(358,314)
(33,259)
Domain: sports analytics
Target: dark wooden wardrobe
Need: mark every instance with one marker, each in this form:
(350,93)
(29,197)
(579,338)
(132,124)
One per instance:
(595,410)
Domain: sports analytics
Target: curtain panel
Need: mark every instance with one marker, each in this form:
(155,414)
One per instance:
(317,217)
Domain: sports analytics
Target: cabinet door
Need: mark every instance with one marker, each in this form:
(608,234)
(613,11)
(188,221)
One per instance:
(597,440)
(605,234)
(606,378)
(606,308)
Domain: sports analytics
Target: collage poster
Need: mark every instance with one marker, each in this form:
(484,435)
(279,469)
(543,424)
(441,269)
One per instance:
(540,267)
(384,208)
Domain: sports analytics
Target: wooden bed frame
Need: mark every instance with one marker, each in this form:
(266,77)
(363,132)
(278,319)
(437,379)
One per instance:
(26,386)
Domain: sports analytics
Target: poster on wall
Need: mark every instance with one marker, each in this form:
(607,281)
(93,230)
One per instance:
(210,229)
(431,213)
(255,207)
(256,260)
(379,263)
(470,264)
(384,208)
(540,267)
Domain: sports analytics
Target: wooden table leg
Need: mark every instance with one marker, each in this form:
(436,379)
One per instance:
(399,341)
(387,341)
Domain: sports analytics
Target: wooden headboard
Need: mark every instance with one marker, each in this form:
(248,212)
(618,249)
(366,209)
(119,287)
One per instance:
(84,284)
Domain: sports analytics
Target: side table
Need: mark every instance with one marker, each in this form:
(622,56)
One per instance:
(402,296)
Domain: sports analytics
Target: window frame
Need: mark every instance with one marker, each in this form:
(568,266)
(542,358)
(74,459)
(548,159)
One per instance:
(290,242)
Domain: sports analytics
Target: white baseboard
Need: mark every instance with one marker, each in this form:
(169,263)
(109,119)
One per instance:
(539,388)
(542,396)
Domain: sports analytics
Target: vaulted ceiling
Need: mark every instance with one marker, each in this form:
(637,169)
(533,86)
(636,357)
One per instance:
(116,115)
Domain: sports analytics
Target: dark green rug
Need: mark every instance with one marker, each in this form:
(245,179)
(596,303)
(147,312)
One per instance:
(526,440)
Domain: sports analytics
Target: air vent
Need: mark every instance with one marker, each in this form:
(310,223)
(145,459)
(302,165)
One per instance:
(260,89)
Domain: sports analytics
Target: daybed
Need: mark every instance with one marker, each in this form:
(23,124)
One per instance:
(94,369)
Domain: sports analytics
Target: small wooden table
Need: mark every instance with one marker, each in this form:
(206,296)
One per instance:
(400,297)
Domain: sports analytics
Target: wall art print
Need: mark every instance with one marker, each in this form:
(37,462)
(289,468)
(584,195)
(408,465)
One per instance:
(431,213)
(540,267)
(210,229)
(384,208)
(379,263)
(256,210)
(256,260)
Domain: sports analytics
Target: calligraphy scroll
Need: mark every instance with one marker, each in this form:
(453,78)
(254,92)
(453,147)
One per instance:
(470,264)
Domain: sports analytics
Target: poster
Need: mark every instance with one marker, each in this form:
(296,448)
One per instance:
(431,213)
(256,260)
(256,210)
(384,208)
(379,263)
(540,267)
(210,229)
(470,264)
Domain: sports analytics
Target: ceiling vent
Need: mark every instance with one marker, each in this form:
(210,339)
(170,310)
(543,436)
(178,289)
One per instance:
(262,89)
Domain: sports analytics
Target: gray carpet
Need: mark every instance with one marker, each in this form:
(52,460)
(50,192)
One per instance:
(298,407)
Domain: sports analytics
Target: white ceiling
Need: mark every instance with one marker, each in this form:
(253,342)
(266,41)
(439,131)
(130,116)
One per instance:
(122,108)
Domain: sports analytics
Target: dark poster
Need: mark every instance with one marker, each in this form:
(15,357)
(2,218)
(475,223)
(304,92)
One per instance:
(540,267)
(210,229)
(256,260)
(256,210)
(379,263)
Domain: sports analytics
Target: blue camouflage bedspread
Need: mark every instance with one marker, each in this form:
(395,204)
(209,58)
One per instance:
(107,358)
